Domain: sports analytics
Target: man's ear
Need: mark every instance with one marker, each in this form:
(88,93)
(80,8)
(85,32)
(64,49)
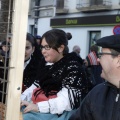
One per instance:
(61,48)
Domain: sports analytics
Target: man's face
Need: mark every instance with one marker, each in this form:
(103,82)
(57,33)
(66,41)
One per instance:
(108,64)
(78,51)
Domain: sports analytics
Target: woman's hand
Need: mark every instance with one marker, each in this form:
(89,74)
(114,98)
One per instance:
(24,103)
(29,107)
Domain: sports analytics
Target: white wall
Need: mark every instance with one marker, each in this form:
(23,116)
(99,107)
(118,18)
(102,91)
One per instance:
(30,22)
(43,25)
(80,37)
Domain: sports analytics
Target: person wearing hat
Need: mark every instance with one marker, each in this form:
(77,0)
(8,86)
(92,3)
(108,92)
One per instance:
(103,101)
(38,39)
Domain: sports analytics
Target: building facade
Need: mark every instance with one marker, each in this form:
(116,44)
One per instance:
(87,20)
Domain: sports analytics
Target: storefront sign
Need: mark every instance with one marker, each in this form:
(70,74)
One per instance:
(104,20)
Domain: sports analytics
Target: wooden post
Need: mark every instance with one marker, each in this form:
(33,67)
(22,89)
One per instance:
(19,29)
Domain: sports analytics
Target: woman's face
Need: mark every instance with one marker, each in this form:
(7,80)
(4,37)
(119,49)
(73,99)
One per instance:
(50,54)
(29,49)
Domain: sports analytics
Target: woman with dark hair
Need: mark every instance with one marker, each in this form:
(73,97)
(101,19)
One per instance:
(31,63)
(56,92)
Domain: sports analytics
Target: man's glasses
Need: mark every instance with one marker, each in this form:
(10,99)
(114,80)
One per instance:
(46,47)
(100,54)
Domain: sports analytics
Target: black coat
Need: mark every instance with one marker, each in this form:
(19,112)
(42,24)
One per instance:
(102,103)
(30,72)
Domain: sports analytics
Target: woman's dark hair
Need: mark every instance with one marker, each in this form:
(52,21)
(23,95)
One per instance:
(37,53)
(55,38)
(30,38)
(69,35)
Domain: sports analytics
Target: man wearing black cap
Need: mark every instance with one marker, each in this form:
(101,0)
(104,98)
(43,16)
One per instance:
(103,101)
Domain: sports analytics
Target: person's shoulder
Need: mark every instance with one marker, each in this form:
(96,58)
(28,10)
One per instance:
(97,92)
(98,87)
(74,57)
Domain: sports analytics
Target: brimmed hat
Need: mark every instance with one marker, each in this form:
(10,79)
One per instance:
(38,37)
(112,42)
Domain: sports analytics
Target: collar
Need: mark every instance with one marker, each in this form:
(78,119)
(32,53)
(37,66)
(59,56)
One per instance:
(111,86)
(26,62)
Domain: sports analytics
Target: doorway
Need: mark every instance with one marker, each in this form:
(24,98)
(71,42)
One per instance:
(94,36)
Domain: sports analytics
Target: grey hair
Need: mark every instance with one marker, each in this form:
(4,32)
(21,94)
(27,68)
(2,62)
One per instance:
(114,52)
(76,47)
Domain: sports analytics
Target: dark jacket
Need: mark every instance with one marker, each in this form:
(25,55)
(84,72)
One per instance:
(102,103)
(30,72)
